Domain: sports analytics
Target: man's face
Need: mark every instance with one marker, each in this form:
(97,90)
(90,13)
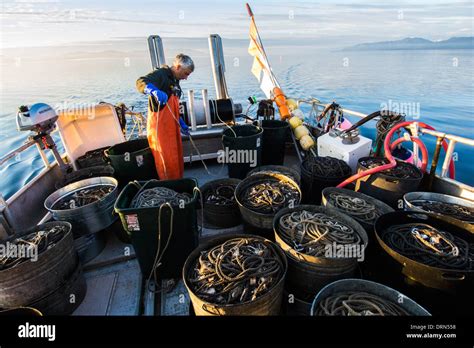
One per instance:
(182,73)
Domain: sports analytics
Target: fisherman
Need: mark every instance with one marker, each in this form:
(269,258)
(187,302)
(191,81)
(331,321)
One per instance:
(163,122)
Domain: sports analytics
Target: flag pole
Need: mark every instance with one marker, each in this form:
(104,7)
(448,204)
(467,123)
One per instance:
(272,76)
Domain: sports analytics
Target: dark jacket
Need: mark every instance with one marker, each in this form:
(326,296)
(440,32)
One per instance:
(161,78)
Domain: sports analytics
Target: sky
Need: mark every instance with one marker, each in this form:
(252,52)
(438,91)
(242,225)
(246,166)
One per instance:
(27,23)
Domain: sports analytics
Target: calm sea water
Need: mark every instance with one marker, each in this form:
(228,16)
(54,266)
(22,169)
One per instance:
(437,87)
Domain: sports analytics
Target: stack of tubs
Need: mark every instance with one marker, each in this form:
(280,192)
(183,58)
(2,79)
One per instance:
(274,137)
(365,210)
(54,284)
(308,274)
(88,221)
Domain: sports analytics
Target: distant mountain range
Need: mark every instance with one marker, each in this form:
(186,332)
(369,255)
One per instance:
(416,43)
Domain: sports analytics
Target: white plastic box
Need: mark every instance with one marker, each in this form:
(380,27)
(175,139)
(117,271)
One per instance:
(329,145)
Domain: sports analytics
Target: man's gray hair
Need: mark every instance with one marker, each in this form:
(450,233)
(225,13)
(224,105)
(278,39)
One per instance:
(185,61)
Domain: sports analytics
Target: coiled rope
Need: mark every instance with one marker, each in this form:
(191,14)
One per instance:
(222,194)
(83,197)
(236,271)
(155,197)
(401,171)
(23,246)
(269,196)
(430,246)
(327,167)
(356,303)
(450,209)
(310,232)
(356,207)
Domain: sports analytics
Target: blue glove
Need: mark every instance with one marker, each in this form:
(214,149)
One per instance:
(160,96)
(184,127)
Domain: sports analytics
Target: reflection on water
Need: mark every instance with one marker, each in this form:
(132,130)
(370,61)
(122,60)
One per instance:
(429,84)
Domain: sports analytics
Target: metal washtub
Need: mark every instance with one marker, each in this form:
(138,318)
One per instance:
(90,218)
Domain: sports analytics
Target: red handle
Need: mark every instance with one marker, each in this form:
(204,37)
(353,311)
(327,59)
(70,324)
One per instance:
(249,10)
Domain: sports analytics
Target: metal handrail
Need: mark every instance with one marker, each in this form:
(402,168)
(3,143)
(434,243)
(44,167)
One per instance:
(452,139)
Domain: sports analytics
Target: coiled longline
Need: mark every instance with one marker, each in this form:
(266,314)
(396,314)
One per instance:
(356,303)
(310,232)
(155,197)
(430,246)
(269,196)
(356,207)
(24,248)
(236,271)
(450,209)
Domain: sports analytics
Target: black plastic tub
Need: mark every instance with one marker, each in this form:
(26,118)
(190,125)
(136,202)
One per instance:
(86,173)
(441,289)
(142,226)
(268,304)
(290,172)
(387,187)
(273,141)
(221,215)
(244,141)
(92,158)
(256,219)
(132,160)
(312,183)
(308,274)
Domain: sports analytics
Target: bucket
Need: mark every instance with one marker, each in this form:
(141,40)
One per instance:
(386,187)
(142,226)
(307,274)
(440,288)
(365,286)
(86,173)
(242,141)
(313,183)
(28,281)
(371,267)
(290,172)
(273,141)
(221,215)
(450,207)
(92,158)
(132,160)
(254,218)
(267,304)
(89,218)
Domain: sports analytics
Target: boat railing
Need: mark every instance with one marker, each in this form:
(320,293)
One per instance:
(452,140)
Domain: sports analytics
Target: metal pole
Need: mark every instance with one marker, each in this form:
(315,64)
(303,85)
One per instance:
(447,159)
(218,66)
(207,112)
(191,112)
(157,53)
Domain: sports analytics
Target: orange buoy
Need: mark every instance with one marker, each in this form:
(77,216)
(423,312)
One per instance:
(280,100)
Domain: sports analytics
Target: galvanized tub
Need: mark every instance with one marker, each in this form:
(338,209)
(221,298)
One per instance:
(29,281)
(411,198)
(268,304)
(307,274)
(370,287)
(90,218)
